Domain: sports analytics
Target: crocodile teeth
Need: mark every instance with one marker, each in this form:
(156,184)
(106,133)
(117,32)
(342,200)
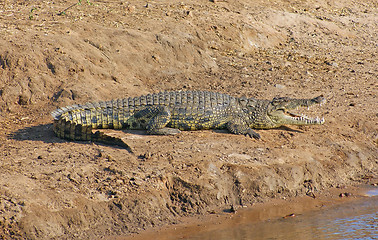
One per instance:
(307,120)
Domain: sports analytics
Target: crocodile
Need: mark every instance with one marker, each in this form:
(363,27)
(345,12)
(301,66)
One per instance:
(167,113)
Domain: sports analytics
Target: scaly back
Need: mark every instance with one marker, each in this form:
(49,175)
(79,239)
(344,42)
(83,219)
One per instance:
(76,122)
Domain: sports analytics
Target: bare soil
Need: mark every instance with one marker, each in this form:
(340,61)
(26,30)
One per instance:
(57,53)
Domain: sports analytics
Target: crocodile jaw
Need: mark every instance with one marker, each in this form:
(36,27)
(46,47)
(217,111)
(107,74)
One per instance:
(286,117)
(279,114)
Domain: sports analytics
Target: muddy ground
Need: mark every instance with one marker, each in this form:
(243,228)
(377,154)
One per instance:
(56,53)
(228,225)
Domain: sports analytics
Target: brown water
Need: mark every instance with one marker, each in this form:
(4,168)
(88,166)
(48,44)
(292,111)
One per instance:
(354,220)
(328,216)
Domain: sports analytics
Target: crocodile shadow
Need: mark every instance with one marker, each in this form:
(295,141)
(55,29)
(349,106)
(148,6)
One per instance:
(44,133)
(288,129)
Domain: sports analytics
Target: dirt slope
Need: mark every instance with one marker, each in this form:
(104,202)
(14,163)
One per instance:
(99,50)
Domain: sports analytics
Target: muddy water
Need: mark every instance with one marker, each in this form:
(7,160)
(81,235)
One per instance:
(353,220)
(328,216)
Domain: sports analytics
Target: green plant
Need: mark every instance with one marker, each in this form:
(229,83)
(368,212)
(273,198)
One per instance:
(73,5)
(31,13)
(88,2)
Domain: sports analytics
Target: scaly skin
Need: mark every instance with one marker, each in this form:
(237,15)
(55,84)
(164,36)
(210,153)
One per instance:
(167,113)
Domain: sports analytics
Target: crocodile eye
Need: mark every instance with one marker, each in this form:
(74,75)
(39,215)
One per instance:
(279,100)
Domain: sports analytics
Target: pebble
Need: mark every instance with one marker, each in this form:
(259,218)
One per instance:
(346,194)
(279,86)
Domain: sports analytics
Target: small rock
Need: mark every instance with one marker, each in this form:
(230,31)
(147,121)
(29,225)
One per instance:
(23,100)
(346,194)
(330,63)
(130,8)
(290,215)
(279,86)
(232,209)
(109,158)
(156,57)
(145,156)
(136,181)
(189,13)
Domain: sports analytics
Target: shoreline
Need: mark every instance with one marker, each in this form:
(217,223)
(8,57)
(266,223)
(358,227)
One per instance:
(51,188)
(260,212)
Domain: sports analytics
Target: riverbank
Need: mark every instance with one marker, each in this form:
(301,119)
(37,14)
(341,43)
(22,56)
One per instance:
(55,53)
(260,213)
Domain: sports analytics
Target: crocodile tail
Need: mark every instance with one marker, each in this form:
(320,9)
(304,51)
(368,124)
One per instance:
(77,121)
(109,140)
(107,114)
(71,123)
(72,131)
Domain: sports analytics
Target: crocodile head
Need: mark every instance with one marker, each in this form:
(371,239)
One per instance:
(279,111)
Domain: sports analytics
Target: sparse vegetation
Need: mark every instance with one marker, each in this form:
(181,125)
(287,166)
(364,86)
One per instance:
(73,5)
(31,13)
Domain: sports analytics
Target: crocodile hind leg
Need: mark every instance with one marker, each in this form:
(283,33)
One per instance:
(156,119)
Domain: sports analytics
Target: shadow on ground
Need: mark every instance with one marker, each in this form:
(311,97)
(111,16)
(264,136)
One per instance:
(44,133)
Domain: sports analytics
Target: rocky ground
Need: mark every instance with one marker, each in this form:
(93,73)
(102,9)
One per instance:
(57,53)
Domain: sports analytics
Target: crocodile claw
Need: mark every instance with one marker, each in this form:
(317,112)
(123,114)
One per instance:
(253,134)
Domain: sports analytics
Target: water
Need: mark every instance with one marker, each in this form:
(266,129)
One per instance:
(355,220)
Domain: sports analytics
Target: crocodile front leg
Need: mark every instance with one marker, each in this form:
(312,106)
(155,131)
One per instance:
(239,126)
(157,118)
